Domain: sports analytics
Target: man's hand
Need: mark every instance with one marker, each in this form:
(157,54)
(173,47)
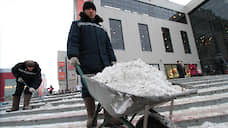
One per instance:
(20,80)
(113,62)
(74,61)
(32,90)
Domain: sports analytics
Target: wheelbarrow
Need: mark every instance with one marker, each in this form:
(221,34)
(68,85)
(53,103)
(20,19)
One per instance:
(121,105)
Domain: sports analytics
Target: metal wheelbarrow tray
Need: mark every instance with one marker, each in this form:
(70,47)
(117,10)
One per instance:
(119,104)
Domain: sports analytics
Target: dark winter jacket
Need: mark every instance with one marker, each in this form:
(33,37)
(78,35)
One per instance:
(89,42)
(32,79)
(181,70)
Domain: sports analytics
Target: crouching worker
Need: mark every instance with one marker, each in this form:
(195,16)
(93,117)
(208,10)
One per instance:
(28,79)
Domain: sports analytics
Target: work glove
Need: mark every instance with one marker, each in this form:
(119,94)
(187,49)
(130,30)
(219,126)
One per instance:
(74,61)
(32,90)
(20,80)
(113,62)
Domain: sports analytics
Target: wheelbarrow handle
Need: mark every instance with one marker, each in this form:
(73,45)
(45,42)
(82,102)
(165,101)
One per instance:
(81,75)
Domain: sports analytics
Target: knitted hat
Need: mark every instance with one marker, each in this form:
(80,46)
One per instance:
(88,5)
(30,63)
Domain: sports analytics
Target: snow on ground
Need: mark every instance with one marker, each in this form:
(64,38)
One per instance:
(211,125)
(137,78)
(78,124)
(43,115)
(199,112)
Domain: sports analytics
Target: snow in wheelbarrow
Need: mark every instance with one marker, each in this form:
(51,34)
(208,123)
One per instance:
(126,88)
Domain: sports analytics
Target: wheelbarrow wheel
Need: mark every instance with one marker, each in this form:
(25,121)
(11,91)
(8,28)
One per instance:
(152,123)
(155,120)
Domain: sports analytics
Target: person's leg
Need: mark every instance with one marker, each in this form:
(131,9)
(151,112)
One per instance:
(90,108)
(16,97)
(89,104)
(27,98)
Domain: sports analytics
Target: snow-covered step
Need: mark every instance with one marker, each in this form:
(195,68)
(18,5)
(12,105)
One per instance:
(185,103)
(55,103)
(74,124)
(213,90)
(46,118)
(215,84)
(59,95)
(33,101)
(49,99)
(203,84)
(198,115)
(44,109)
(207,81)
(201,80)
(49,118)
(211,125)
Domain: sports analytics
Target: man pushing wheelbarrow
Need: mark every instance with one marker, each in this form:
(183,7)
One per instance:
(89,46)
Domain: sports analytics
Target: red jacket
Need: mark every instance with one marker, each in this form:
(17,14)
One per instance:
(192,68)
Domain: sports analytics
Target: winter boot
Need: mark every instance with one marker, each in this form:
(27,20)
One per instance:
(90,107)
(27,98)
(15,104)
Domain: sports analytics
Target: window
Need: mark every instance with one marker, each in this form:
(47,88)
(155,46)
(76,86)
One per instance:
(146,8)
(167,40)
(185,42)
(144,37)
(116,34)
(171,71)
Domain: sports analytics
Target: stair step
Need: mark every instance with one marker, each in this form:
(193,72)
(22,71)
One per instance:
(44,118)
(215,84)
(55,103)
(181,104)
(44,109)
(198,115)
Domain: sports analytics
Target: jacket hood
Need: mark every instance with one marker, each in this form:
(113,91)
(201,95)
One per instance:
(85,18)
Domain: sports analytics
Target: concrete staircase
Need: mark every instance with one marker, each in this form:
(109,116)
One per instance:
(210,104)
(67,110)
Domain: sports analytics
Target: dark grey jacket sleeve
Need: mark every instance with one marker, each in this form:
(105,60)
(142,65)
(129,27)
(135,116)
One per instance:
(111,53)
(73,41)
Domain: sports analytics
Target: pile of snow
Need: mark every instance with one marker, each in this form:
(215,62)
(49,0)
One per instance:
(137,78)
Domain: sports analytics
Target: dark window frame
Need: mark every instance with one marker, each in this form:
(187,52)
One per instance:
(117,44)
(167,40)
(146,33)
(185,41)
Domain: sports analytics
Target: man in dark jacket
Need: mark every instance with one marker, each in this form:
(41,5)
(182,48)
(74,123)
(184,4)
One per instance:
(27,74)
(89,46)
(180,69)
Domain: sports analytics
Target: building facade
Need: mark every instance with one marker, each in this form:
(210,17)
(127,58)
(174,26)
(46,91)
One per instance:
(210,27)
(157,31)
